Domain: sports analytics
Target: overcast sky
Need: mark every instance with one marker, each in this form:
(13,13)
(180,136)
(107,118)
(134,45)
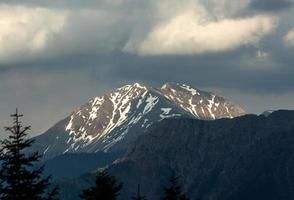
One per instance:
(56,54)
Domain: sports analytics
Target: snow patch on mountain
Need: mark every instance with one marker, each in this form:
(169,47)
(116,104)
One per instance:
(210,106)
(188,88)
(151,102)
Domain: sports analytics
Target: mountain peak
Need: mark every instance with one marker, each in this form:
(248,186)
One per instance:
(113,120)
(180,86)
(134,86)
(170,85)
(139,85)
(203,105)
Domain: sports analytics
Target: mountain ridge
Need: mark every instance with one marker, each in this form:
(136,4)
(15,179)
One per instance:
(247,157)
(114,120)
(228,159)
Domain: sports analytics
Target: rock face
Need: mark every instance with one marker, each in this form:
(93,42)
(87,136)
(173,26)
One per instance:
(112,121)
(248,157)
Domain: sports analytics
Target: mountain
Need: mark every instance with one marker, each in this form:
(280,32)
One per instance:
(201,104)
(267,112)
(70,165)
(112,121)
(248,157)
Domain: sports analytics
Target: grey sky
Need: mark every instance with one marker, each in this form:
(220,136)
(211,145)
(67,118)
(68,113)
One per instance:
(271,5)
(55,55)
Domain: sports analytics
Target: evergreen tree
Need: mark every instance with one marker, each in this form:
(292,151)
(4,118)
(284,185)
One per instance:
(105,188)
(174,191)
(20,179)
(138,195)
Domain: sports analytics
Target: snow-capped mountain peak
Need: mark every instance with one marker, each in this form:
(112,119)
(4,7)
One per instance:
(201,104)
(112,121)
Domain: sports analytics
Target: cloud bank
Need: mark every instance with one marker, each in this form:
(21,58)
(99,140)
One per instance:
(186,34)
(271,5)
(199,27)
(27,31)
(143,28)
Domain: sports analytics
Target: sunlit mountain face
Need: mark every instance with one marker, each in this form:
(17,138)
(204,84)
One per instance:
(112,121)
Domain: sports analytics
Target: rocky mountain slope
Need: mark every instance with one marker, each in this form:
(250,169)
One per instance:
(249,157)
(112,121)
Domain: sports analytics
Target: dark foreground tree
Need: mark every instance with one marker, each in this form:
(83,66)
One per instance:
(174,191)
(20,179)
(106,188)
(138,195)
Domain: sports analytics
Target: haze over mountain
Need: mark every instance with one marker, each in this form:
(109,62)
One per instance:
(112,121)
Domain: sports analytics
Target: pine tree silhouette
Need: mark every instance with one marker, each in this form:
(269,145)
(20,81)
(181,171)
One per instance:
(19,177)
(174,191)
(105,188)
(138,195)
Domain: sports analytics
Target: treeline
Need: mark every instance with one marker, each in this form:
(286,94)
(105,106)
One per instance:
(20,179)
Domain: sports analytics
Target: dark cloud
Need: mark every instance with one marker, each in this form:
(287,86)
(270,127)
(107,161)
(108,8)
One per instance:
(271,5)
(51,89)
(237,70)
(221,71)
